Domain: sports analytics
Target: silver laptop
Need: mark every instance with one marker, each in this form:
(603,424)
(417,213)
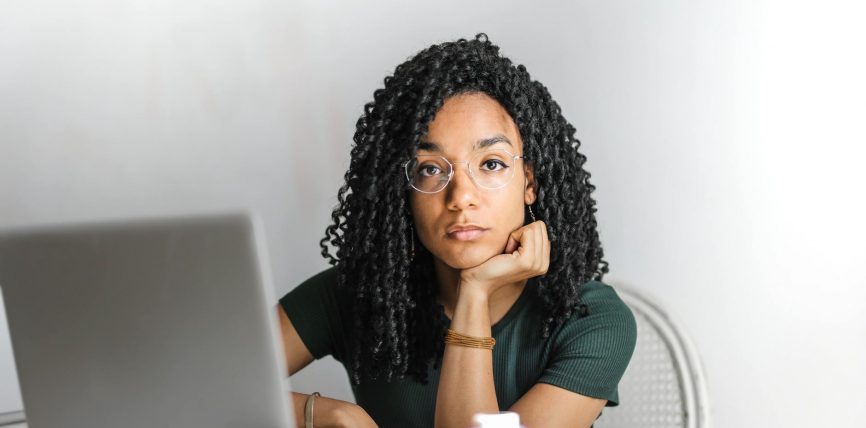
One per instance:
(147,323)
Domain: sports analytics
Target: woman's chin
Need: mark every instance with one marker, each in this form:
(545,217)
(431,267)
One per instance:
(468,258)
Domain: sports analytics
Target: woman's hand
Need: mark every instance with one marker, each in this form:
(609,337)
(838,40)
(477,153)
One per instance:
(527,254)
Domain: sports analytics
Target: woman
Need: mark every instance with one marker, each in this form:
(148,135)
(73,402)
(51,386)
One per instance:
(467,269)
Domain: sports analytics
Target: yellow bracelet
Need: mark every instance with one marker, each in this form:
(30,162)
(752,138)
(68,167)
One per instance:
(454,338)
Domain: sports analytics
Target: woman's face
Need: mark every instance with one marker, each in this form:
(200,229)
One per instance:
(464,121)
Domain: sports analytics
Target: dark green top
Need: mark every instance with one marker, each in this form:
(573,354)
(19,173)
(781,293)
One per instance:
(585,355)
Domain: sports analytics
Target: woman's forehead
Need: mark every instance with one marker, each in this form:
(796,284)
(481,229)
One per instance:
(468,123)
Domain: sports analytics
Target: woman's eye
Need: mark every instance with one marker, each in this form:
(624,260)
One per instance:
(428,170)
(491,164)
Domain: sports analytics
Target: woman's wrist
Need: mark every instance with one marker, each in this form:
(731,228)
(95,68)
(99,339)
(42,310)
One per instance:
(472,291)
(472,312)
(327,412)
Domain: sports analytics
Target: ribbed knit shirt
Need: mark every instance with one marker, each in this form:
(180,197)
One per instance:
(586,355)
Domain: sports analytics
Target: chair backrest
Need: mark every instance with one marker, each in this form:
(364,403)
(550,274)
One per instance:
(664,384)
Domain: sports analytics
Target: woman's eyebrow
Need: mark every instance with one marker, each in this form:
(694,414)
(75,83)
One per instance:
(431,146)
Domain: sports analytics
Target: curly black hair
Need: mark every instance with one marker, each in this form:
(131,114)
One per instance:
(399,325)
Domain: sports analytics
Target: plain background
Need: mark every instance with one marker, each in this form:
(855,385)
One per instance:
(725,140)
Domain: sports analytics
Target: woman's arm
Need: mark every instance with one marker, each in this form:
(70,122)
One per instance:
(466,382)
(546,405)
(296,353)
(327,412)
(466,378)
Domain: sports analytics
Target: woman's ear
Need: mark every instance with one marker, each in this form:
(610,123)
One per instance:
(530,188)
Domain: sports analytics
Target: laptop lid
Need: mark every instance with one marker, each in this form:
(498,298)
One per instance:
(146,323)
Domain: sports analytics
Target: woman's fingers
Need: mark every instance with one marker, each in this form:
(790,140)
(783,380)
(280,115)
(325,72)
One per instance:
(539,253)
(520,236)
(512,244)
(546,253)
(541,246)
(527,255)
(532,247)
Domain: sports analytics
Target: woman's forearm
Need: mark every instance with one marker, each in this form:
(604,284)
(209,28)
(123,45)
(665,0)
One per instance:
(466,378)
(330,412)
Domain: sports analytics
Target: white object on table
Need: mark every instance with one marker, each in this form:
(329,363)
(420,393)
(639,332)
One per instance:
(497,420)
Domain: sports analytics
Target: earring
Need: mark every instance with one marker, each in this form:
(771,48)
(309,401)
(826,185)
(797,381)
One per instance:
(530,213)
(412,237)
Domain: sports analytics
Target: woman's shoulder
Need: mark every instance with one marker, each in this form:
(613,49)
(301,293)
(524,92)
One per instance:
(608,316)
(318,287)
(326,276)
(322,281)
(603,298)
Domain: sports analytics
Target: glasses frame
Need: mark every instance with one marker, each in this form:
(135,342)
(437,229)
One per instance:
(452,169)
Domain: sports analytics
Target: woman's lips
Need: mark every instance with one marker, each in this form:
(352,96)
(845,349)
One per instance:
(467,234)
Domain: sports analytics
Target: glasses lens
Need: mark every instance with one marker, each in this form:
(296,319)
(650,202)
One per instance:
(492,169)
(428,173)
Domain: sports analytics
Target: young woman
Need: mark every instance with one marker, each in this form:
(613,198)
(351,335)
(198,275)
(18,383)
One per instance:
(467,271)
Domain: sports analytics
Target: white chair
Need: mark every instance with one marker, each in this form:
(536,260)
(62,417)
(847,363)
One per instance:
(664,384)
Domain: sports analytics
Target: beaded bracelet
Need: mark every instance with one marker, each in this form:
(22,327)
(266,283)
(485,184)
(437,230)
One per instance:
(454,338)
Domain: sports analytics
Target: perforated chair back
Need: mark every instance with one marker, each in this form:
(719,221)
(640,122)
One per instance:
(664,385)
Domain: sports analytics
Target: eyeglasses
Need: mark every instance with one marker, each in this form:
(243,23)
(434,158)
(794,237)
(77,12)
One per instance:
(490,170)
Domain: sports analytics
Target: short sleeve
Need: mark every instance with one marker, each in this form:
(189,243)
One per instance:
(314,309)
(590,354)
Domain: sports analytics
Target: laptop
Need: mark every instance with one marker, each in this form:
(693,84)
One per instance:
(145,323)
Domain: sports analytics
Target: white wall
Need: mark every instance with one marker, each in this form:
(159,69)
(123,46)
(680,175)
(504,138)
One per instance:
(725,139)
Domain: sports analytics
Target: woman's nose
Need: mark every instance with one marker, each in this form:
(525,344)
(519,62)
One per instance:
(462,190)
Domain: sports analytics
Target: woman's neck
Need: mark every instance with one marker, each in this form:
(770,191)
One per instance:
(499,302)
